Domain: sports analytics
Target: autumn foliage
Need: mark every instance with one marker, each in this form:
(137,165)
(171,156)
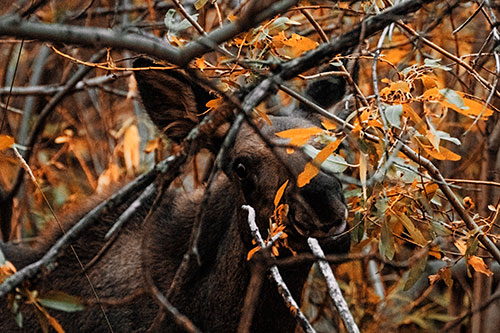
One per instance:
(427,83)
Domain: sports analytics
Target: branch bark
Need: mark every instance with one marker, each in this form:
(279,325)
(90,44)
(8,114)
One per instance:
(15,26)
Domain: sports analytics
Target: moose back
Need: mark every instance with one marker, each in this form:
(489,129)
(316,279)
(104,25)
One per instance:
(213,293)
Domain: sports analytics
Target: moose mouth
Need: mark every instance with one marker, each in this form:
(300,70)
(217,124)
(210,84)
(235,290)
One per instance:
(306,227)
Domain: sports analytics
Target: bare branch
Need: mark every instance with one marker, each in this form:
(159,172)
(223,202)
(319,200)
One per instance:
(49,90)
(333,287)
(283,289)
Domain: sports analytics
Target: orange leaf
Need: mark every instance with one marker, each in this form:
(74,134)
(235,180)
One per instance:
(475,108)
(213,104)
(131,148)
(328,124)
(279,194)
(443,154)
(299,136)
(293,46)
(312,168)
(200,63)
(479,265)
(6,141)
(252,252)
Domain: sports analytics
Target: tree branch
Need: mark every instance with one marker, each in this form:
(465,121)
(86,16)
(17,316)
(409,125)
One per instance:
(333,287)
(283,289)
(13,25)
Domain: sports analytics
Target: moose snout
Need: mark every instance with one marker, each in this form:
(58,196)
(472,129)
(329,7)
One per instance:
(326,207)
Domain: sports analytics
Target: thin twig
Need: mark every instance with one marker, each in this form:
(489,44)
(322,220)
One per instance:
(283,289)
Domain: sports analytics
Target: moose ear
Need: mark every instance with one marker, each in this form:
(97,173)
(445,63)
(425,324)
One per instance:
(172,100)
(328,90)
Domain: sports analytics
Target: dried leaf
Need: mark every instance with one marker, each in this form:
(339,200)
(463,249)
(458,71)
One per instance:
(415,234)
(479,266)
(461,245)
(386,244)
(393,114)
(416,272)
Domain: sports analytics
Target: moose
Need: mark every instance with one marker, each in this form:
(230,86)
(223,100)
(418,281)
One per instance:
(213,293)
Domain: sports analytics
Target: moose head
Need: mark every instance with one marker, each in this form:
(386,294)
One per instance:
(255,166)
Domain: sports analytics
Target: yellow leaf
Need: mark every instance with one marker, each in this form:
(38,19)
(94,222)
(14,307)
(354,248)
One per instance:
(469,108)
(199,4)
(279,194)
(400,86)
(310,171)
(479,266)
(443,154)
(312,168)
(6,141)
(131,144)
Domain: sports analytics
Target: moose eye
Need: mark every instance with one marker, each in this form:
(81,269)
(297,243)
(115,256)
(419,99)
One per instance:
(241,170)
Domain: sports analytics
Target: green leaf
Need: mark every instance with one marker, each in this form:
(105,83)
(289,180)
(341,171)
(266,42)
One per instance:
(415,234)
(453,98)
(447,137)
(2,258)
(416,272)
(393,114)
(61,301)
(386,244)
(359,231)
(173,26)
(280,24)
(333,163)
(434,63)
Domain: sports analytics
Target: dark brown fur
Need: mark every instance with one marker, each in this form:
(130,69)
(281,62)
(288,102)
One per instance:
(212,296)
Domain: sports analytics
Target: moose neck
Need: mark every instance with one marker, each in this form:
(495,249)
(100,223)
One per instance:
(212,294)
